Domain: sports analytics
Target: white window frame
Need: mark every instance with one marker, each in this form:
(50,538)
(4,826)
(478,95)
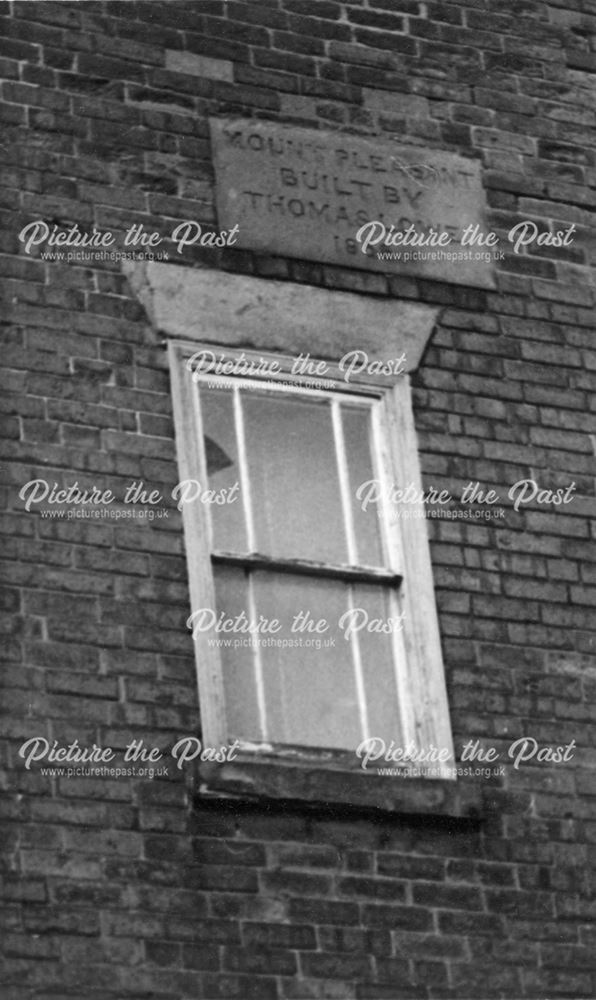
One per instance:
(422,692)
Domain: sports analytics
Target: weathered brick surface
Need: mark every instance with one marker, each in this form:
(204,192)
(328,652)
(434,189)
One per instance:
(127,888)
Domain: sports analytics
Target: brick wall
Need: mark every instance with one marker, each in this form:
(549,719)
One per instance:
(132,888)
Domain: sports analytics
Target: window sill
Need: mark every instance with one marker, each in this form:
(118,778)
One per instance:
(248,779)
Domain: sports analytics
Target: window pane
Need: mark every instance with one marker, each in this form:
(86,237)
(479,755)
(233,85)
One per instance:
(374,606)
(315,689)
(293,478)
(358,444)
(221,454)
(309,688)
(310,693)
(237,664)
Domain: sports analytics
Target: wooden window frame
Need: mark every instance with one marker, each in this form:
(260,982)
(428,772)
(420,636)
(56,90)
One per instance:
(423,707)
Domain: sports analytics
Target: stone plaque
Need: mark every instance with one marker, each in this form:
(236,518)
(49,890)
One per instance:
(325,197)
